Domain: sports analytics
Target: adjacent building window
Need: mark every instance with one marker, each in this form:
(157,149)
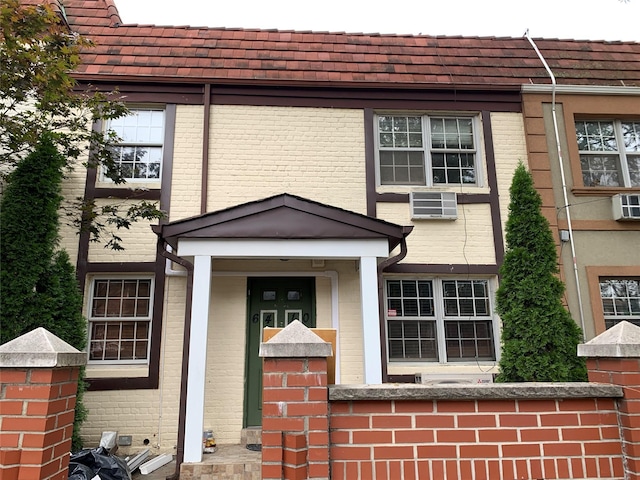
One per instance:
(120,320)
(609,152)
(139,153)
(620,300)
(439,320)
(426,150)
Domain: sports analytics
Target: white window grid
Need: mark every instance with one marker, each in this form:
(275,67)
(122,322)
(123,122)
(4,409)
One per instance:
(427,150)
(431,325)
(620,300)
(120,323)
(140,149)
(609,152)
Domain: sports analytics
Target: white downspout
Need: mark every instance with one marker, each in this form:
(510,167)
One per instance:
(564,183)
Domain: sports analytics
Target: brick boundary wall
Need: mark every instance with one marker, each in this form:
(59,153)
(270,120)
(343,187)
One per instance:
(475,439)
(38,385)
(500,431)
(626,373)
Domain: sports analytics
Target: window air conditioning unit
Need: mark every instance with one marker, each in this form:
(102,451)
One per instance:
(434,205)
(443,379)
(626,206)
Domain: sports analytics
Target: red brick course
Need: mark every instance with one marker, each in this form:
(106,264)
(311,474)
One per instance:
(37,407)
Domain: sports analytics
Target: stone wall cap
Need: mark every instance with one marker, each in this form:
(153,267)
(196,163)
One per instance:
(295,340)
(496,391)
(620,341)
(40,348)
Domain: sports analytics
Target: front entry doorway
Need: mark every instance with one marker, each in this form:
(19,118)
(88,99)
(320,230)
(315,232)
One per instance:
(273,302)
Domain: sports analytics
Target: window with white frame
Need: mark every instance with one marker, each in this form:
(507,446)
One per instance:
(120,320)
(426,150)
(439,320)
(620,300)
(138,155)
(609,152)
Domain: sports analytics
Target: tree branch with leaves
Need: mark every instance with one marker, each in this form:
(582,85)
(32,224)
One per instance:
(38,95)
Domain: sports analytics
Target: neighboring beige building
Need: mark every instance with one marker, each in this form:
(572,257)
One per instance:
(597,149)
(352,182)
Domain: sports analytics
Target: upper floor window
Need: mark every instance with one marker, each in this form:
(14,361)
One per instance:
(139,152)
(120,320)
(620,300)
(609,152)
(440,320)
(426,150)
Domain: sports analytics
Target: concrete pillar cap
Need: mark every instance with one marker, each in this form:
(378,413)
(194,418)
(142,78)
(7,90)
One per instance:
(620,341)
(295,340)
(40,349)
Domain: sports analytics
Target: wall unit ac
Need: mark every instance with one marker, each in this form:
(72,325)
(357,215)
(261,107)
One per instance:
(434,205)
(626,206)
(443,379)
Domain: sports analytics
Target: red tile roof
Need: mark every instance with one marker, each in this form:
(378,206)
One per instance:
(197,54)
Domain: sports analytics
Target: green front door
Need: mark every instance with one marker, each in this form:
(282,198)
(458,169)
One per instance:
(273,302)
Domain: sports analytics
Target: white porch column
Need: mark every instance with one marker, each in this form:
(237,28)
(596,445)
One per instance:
(370,322)
(194,422)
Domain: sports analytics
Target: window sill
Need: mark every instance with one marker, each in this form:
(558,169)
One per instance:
(116,371)
(602,191)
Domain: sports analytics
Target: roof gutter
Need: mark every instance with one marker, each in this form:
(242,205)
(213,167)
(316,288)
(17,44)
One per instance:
(582,89)
(381,307)
(563,177)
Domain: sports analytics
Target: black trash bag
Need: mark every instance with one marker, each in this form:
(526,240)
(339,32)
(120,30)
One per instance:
(86,464)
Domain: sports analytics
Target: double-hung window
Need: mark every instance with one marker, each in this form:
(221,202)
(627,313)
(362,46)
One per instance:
(138,155)
(424,150)
(609,152)
(620,300)
(439,320)
(120,320)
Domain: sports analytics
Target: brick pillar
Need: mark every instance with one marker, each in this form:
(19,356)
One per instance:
(39,380)
(614,357)
(295,424)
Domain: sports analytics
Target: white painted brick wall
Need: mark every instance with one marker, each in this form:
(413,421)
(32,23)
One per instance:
(139,240)
(510,148)
(224,387)
(187,162)
(72,188)
(316,153)
(469,239)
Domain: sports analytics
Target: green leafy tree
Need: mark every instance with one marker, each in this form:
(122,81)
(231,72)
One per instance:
(38,286)
(38,94)
(539,337)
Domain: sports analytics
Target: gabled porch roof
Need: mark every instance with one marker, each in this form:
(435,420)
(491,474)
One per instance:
(283,216)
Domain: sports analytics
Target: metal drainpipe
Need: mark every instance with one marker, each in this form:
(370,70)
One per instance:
(381,267)
(185,352)
(562,175)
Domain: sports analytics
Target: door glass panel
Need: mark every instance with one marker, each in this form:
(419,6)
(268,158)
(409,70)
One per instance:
(293,315)
(268,318)
(293,295)
(269,295)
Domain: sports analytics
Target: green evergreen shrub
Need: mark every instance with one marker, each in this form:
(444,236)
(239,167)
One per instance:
(539,337)
(38,285)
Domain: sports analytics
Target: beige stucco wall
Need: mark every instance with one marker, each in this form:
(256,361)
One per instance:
(257,152)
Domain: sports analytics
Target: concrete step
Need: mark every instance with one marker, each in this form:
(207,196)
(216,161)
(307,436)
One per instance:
(229,462)
(251,436)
